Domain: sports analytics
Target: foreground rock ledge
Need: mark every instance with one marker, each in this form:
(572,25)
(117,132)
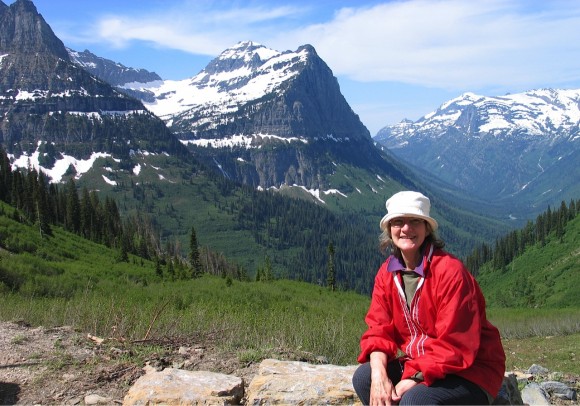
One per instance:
(276,383)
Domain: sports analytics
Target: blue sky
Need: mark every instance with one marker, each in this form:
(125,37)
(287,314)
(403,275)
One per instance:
(393,59)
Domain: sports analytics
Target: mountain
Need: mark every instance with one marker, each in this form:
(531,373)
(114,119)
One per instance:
(115,73)
(268,119)
(58,114)
(111,72)
(536,266)
(520,149)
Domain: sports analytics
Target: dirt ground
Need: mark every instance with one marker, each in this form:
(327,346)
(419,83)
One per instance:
(45,366)
(61,366)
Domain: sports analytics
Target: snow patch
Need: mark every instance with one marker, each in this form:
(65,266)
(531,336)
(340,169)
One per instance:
(61,166)
(240,140)
(109,181)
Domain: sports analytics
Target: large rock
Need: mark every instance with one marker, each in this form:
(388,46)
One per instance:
(179,387)
(301,383)
(533,394)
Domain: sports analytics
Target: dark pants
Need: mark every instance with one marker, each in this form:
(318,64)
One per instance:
(451,390)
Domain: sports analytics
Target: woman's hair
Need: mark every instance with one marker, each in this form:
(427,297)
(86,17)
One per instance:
(386,240)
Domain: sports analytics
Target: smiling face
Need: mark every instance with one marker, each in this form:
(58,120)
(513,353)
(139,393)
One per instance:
(408,234)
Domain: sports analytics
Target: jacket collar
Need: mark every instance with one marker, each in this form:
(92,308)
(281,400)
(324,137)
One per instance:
(396,265)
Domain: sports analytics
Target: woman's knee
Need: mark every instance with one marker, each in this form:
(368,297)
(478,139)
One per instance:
(361,382)
(362,376)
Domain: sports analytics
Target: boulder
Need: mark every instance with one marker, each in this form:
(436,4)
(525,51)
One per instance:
(301,383)
(179,387)
(533,394)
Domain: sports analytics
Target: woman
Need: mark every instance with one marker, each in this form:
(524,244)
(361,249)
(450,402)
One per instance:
(428,340)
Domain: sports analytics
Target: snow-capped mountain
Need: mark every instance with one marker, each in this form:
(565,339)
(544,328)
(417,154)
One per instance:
(264,117)
(543,113)
(110,71)
(122,77)
(524,144)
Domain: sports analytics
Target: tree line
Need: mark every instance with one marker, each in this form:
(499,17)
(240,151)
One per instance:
(512,245)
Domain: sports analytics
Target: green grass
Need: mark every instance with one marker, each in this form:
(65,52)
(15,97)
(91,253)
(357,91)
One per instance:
(247,317)
(557,353)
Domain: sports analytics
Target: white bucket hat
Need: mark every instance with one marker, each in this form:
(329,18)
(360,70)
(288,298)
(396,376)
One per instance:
(408,204)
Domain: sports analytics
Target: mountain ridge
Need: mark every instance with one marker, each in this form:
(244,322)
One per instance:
(519,149)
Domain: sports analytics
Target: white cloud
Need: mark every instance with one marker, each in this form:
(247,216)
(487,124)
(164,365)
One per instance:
(194,27)
(451,44)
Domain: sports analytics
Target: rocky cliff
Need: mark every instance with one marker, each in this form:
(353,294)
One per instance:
(46,99)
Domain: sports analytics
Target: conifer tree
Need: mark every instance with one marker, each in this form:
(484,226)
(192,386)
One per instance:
(42,212)
(331,273)
(194,259)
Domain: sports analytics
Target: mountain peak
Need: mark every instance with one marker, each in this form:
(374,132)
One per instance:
(274,109)
(23,29)
(497,146)
(247,54)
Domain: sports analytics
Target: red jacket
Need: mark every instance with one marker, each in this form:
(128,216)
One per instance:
(443,331)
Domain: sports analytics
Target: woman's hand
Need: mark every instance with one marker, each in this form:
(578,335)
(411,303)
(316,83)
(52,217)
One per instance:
(382,389)
(402,387)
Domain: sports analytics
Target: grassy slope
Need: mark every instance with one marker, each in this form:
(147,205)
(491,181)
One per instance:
(545,276)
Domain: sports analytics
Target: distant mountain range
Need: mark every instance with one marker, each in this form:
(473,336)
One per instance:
(522,149)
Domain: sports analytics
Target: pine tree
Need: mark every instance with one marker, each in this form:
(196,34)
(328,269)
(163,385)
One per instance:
(42,212)
(330,271)
(194,259)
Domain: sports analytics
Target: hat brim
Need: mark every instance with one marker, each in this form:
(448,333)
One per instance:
(388,217)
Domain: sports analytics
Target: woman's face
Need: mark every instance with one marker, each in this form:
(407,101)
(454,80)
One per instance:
(408,233)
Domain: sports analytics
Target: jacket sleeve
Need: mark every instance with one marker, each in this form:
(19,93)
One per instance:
(453,344)
(380,335)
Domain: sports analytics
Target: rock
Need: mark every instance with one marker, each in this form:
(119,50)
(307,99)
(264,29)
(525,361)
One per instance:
(533,394)
(94,399)
(559,390)
(301,383)
(538,370)
(179,387)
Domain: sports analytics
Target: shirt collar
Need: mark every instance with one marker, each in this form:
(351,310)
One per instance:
(395,265)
